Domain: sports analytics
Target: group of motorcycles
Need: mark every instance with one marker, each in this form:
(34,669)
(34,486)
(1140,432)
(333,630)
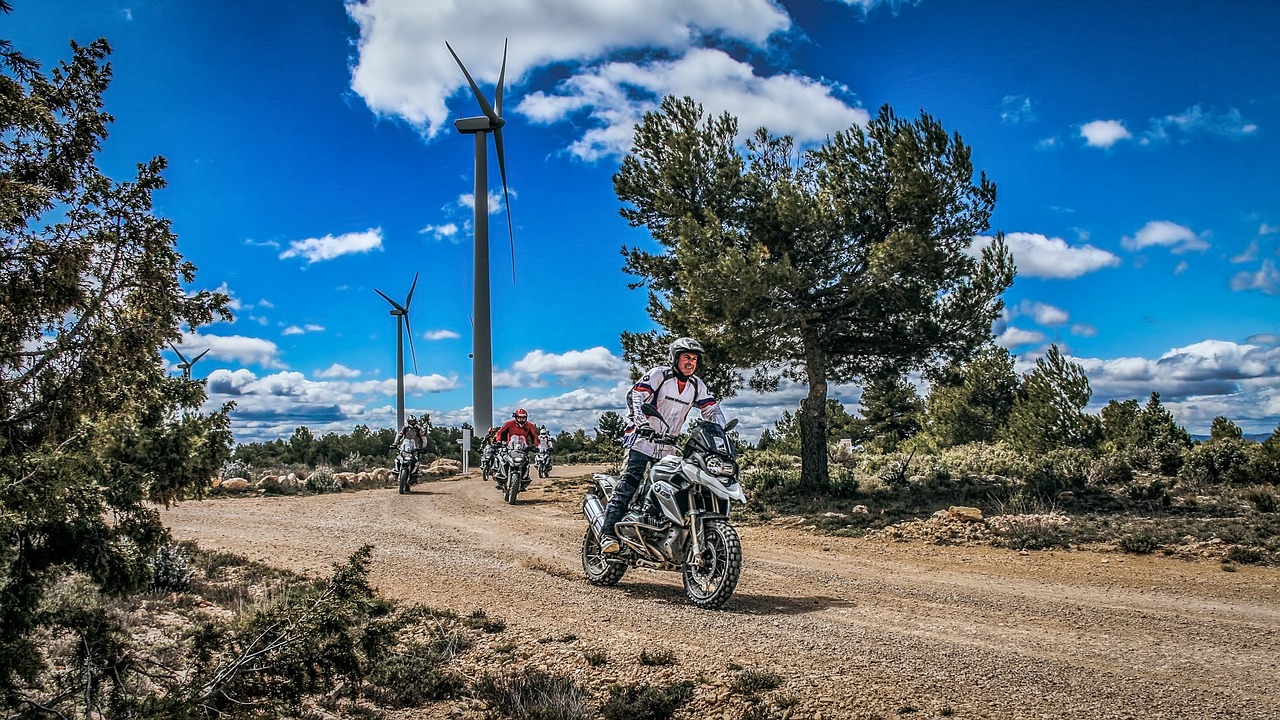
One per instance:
(508,465)
(678,519)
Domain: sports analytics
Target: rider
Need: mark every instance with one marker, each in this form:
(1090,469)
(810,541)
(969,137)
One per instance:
(518,425)
(674,390)
(413,430)
(544,439)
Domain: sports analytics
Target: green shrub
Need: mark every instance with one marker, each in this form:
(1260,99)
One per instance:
(1139,544)
(1216,462)
(1262,500)
(171,569)
(1245,555)
(982,459)
(533,694)
(645,702)
(754,682)
(657,657)
(1110,470)
(322,480)
(1031,532)
(411,677)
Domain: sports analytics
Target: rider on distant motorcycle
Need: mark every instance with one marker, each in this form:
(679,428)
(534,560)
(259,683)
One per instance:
(674,390)
(518,425)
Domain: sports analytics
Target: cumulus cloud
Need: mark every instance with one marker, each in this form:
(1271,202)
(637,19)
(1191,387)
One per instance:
(595,362)
(404,69)
(447,232)
(440,335)
(1162,233)
(338,370)
(233,348)
(1104,133)
(302,329)
(314,250)
(1013,337)
(1043,313)
(616,95)
(1045,257)
(1265,280)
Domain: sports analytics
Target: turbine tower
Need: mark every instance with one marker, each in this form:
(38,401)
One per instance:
(185,365)
(482,344)
(402,324)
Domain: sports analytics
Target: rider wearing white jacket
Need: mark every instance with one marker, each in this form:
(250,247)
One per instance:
(675,391)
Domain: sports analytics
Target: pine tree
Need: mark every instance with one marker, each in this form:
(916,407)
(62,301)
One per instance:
(1049,411)
(972,402)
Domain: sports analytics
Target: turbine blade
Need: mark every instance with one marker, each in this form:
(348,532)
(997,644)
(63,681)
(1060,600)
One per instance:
(196,359)
(394,304)
(497,96)
(409,330)
(506,197)
(485,107)
(181,357)
(409,298)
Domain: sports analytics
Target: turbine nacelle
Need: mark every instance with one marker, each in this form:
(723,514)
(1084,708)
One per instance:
(478,124)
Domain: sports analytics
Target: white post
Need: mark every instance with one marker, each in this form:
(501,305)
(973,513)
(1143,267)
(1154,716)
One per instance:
(465,442)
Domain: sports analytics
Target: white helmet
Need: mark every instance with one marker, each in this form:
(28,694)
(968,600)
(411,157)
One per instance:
(684,345)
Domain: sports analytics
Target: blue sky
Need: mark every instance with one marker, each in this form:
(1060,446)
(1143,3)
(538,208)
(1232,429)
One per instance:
(312,159)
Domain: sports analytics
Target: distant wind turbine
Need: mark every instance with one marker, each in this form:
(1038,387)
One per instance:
(482,344)
(402,324)
(185,365)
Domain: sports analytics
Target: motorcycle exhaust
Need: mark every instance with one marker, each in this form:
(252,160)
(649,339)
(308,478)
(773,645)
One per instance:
(594,510)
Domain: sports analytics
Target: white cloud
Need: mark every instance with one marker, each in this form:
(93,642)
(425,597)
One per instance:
(405,70)
(1043,313)
(233,348)
(1013,337)
(1265,280)
(447,232)
(440,335)
(1104,133)
(301,330)
(1162,233)
(1016,109)
(329,247)
(1230,124)
(1044,257)
(337,370)
(595,362)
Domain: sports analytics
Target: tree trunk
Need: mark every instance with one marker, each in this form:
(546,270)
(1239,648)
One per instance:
(813,424)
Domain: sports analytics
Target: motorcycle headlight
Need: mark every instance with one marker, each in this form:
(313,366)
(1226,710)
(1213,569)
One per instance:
(721,467)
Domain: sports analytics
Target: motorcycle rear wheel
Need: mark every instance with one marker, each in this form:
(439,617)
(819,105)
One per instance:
(711,583)
(595,564)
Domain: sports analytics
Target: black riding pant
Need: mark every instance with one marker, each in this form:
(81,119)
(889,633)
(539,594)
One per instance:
(632,476)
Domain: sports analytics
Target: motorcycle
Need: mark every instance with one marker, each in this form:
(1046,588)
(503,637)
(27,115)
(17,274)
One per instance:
(486,460)
(678,519)
(511,468)
(406,465)
(544,463)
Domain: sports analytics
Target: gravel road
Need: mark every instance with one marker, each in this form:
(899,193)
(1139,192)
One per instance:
(854,628)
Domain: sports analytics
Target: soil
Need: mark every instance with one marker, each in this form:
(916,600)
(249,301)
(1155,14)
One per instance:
(845,627)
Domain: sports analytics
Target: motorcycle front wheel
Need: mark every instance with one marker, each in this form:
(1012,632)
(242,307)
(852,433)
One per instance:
(404,479)
(596,564)
(512,489)
(711,576)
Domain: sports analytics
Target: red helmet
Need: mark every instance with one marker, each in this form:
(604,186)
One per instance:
(520,414)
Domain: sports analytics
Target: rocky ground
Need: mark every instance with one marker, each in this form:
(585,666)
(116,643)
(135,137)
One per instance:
(871,627)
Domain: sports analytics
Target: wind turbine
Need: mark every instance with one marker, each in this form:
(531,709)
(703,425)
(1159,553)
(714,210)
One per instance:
(185,365)
(402,323)
(482,344)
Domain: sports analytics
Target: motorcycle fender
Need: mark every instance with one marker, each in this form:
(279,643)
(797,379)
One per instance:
(712,483)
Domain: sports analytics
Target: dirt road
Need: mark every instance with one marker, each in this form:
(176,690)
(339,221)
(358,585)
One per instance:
(855,628)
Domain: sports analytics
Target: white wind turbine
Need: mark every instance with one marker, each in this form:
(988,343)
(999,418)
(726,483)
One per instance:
(185,365)
(402,324)
(482,344)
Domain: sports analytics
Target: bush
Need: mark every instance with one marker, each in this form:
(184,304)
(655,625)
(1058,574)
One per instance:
(1031,532)
(535,695)
(1216,462)
(1058,470)
(984,459)
(657,657)
(1109,470)
(754,682)
(322,480)
(1262,501)
(645,702)
(171,569)
(1140,544)
(411,677)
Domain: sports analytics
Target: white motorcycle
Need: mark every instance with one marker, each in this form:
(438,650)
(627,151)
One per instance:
(406,464)
(678,519)
(511,468)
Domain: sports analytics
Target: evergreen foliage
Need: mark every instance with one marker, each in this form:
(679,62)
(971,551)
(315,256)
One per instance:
(817,266)
(1048,413)
(892,412)
(973,400)
(93,431)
